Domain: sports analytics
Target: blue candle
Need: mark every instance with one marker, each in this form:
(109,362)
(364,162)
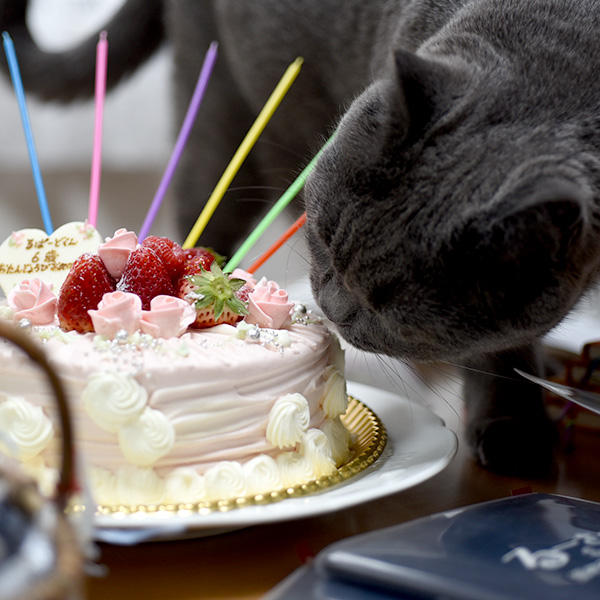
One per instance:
(15,75)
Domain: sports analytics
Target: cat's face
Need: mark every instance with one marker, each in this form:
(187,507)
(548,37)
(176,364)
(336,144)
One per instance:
(445,220)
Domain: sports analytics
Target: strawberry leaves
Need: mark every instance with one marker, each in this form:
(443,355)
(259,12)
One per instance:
(215,289)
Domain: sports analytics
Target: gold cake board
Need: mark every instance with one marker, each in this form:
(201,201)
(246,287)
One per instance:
(369,437)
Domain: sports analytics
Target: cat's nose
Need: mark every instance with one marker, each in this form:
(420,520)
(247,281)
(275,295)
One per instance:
(335,300)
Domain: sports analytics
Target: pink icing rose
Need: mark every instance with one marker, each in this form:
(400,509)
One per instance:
(268,305)
(168,317)
(116,250)
(33,299)
(117,311)
(247,277)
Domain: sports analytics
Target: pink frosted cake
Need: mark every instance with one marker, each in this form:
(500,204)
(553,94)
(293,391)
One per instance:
(179,396)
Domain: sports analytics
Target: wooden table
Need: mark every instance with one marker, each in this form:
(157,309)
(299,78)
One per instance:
(249,562)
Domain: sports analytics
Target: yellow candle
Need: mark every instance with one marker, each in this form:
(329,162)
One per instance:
(242,152)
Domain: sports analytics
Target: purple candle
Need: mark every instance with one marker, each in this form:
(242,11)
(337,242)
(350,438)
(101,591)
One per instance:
(188,122)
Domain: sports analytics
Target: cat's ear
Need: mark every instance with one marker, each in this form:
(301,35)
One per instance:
(425,88)
(531,232)
(550,205)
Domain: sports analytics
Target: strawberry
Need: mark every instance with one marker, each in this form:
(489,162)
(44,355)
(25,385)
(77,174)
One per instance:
(169,252)
(193,266)
(85,284)
(146,276)
(208,254)
(215,295)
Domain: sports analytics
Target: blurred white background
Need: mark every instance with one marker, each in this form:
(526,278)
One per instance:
(136,132)
(136,144)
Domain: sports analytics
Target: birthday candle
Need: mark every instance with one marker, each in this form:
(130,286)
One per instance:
(101,63)
(205,72)
(242,152)
(285,236)
(15,75)
(274,212)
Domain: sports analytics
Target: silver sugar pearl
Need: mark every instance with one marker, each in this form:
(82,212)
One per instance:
(121,336)
(24,323)
(254,333)
(300,309)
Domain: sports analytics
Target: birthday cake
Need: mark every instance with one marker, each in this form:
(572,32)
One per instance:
(186,384)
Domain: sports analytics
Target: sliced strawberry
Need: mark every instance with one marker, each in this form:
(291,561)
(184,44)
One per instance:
(217,298)
(146,276)
(170,253)
(86,283)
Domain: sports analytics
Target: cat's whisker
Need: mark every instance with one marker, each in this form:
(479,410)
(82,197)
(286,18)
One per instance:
(271,170)
(481,371)
(243,188)
(253,199)
(437,388)
(266,142)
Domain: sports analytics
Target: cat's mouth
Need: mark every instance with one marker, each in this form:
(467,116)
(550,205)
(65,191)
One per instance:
(371,331)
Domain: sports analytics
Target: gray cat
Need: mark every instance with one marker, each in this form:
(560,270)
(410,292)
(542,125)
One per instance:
(453,217)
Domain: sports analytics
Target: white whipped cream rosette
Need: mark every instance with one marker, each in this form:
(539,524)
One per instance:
(225,480)
(139,485)
(315,448)
(104,484)
(335,396)
(26,426)
(288,420)
(294,468)
(147,438)
(113,399)
(185,484)
(339,439)
(262,475)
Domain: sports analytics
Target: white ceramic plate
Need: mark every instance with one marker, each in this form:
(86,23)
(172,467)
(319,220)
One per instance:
(419,446)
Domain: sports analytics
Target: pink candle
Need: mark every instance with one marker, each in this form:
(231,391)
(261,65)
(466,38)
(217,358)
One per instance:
(101,62)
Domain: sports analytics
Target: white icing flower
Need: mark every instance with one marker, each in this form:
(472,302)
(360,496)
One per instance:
(337,355)
(137,485)
(316,449)
(294,468)
(46,476)
(113,399)
(184,485)
(225,480)
(339,439)
(148,438)
(288,419)
(335,397)
(262,475)
(103,484)
(25,425)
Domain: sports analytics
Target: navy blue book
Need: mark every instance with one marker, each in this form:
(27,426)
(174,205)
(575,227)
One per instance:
(530,546)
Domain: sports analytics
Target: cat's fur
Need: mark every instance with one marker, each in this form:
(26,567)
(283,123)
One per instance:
(455,214)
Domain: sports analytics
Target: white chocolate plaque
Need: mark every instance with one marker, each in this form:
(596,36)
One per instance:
(31,253)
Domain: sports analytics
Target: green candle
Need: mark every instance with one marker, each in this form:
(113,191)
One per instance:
(276,209)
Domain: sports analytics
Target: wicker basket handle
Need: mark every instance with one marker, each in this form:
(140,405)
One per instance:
(66,483)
